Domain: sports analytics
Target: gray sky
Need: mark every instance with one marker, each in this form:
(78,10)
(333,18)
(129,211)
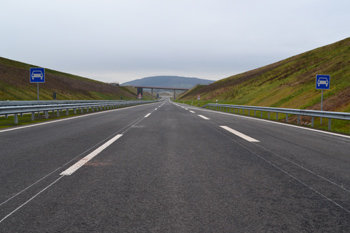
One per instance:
(123,40)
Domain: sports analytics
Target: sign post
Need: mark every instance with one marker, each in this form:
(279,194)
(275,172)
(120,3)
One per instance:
(37,75)
(323,82)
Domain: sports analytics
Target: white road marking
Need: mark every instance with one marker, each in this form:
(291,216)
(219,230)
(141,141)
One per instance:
(192,111)
(186,109)
(148,115)
(245,137)
(87,158)
(205,118)
(275,122)
(156,109)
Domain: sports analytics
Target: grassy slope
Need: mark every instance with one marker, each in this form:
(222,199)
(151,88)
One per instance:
(15,85)
(289,83)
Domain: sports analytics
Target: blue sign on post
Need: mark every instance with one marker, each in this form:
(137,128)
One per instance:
(323,81)
(37,75)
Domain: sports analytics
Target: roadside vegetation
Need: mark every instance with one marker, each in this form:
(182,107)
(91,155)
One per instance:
(289,83)
(15,85)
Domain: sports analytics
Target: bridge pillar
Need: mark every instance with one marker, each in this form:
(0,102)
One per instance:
(139,91)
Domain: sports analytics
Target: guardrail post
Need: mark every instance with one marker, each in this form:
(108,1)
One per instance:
(255,113)
(329,124)
(298,119)
(75,111)
(6,116)
(16,118)
(33,116)
(46,114)
(67,112)
(268,115)
(276,116)
(81,110)
(58,113)
(286,117)
(248,112)
(261,112)
(312,122)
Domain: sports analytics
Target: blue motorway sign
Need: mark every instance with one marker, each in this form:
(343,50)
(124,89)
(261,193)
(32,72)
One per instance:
(323,81)
(37,75)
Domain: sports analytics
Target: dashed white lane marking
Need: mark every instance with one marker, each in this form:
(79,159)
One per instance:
(148,114)
(245,137)
(156,109)
(192,111)
(205,118)
(87,158)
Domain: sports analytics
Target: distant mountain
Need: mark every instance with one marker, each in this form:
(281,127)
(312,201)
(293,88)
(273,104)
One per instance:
(168,81)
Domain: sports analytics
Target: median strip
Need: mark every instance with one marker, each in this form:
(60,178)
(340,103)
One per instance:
(245,137)
(87,158)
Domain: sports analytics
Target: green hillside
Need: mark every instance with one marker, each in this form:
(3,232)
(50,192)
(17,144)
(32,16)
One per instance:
(15,85)
(289,83)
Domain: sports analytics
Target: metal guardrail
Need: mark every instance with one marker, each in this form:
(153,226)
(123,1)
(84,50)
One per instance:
(46,102)
(287,111)
(20,107)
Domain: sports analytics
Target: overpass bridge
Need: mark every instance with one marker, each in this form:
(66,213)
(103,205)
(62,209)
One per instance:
(140,89)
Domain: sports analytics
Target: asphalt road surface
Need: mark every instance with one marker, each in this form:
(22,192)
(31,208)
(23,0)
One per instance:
(167,167)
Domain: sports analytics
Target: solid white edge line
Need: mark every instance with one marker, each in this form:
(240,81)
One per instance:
(205,118)
(87,158)
(192,111)
(245,137)
(148,114)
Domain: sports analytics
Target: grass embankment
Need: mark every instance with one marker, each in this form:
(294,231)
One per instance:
(289,83)
(15,85)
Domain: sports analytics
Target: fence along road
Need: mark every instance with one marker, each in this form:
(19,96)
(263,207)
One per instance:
(173,171)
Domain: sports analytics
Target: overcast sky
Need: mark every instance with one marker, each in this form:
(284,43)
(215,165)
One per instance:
(123,40)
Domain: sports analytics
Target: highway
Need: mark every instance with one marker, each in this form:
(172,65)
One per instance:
(167,167)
